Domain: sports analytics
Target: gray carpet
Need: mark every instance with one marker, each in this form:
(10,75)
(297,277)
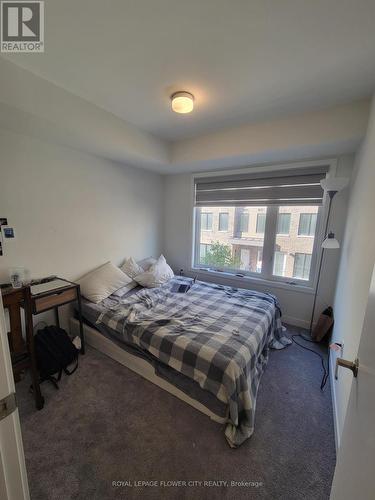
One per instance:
(108,424)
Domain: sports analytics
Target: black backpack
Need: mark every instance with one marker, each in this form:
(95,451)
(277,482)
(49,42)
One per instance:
(54,352)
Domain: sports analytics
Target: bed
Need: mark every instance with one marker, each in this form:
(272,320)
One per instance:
(208,346)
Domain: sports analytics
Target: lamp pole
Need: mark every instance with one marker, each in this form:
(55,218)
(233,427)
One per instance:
(331,194)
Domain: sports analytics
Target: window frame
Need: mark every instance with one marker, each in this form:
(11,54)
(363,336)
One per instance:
(246,278)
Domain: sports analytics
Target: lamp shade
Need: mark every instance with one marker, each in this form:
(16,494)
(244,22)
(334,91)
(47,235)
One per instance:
(334,184)
(330,242)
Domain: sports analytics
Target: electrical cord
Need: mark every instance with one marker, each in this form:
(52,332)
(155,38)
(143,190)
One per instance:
(325,370)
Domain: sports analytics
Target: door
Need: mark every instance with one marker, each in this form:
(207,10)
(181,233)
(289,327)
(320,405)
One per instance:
(13,479)
(355,470)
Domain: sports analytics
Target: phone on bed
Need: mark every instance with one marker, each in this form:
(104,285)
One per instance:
(183,287)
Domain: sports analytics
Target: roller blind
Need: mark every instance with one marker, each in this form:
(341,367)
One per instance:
(283,187)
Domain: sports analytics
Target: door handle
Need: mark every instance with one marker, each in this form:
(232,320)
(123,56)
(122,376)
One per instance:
(351,365)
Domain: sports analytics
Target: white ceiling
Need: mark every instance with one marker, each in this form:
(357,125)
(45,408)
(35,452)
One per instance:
(244,60)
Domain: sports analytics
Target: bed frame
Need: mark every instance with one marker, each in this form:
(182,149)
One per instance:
(138,365)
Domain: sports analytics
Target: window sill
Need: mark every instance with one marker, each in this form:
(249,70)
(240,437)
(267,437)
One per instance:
(226,276)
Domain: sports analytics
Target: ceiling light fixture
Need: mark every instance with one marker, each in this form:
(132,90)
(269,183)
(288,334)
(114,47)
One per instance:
(182,102)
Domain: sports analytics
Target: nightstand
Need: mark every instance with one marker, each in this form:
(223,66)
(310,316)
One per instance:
(53,298)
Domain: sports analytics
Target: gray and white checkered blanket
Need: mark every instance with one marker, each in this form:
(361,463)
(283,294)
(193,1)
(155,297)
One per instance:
(216,335)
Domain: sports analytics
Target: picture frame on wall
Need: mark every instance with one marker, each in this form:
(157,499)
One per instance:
(5,232)
(8,232)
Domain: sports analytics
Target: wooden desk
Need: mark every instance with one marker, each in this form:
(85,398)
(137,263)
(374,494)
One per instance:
(22,353)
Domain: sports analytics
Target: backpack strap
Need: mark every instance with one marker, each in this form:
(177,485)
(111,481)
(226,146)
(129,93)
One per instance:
(70,372)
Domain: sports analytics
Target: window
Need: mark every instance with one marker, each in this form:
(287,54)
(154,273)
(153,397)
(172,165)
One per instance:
(283,223)
(307,224)
(204,248)
(245,258)
(279,264)
(288,256)
(261,218)
(250,258)
(244,222)
(291,244)
(206,221)
(259,260)
(302,265)
(261,223)
(231,249)
(223,221)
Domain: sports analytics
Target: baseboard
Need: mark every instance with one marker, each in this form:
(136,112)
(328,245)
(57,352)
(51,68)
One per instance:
(290,320)
(334,400)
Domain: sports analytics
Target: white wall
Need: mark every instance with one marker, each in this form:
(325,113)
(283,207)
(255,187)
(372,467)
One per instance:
(357,262)
(296,305)
(72,211)
(36,107)
(330,132)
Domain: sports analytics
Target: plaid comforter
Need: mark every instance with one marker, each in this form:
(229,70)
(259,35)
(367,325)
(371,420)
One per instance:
(216,335)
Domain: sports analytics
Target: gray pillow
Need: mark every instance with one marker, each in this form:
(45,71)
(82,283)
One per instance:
(147,263)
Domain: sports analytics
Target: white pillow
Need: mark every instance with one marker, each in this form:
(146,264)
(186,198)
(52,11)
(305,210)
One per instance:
(147,263)
(125,289)
(158,274)
(131,268)
(102,282)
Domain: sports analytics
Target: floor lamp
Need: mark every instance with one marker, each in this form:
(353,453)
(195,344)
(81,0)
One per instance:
(331,186)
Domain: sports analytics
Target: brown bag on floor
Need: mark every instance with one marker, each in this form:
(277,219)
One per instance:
(324,325)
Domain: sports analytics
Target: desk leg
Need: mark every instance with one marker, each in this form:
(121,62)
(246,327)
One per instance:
(39,399)
(80,321)
(57,319)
